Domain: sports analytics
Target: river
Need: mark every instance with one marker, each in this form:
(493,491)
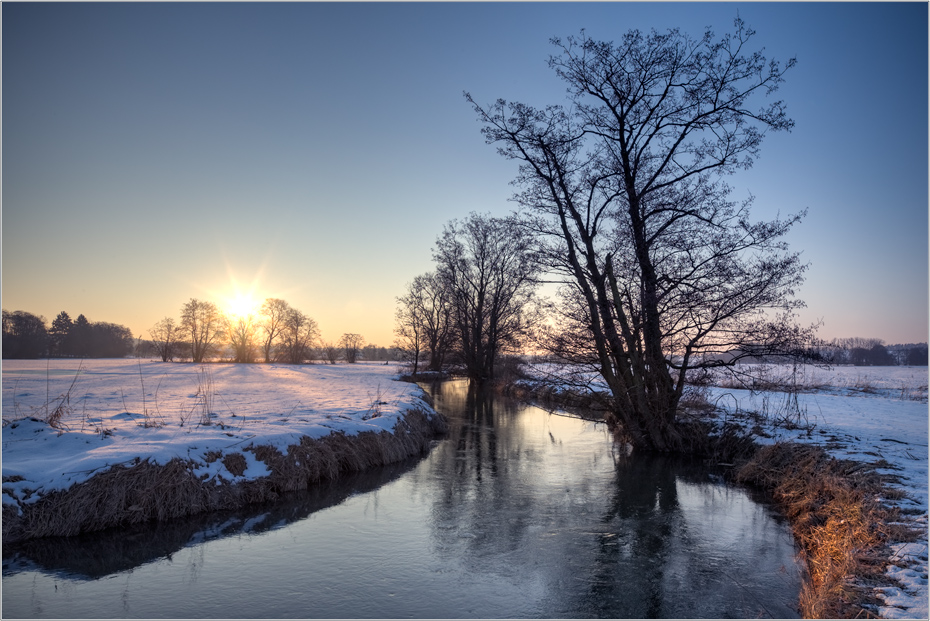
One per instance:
(517,512)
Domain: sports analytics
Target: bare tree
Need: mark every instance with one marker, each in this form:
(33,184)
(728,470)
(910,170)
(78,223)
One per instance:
(488,267)
(299,333)
(330,352)
(165,336)
(625,187)
(201,322)
(409,329)
(240,333)
(351,344)
(424,321)
(273,315)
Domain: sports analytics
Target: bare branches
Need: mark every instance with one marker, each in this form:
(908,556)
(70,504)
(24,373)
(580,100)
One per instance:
(299,333)
(165,335)
(424,321)
(201,323)
(351,344)
(488,268)
(273,314)
(623,184)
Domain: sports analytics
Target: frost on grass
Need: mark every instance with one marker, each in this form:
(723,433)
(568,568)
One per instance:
(213,426)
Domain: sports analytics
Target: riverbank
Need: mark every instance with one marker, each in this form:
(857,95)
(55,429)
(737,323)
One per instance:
(95,444)
(513,514)
(844,452)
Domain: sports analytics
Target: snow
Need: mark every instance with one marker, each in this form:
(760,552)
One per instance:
(869,415)
(126,411)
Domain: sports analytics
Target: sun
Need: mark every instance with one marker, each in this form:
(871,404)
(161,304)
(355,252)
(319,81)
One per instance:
(241,305)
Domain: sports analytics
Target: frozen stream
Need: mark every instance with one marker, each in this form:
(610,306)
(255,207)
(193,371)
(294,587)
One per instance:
(516,513)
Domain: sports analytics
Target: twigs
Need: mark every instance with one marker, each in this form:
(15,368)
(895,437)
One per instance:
(374,410)
(206,393)
(63,408)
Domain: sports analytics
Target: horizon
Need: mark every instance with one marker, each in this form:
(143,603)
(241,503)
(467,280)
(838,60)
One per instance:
(156,153)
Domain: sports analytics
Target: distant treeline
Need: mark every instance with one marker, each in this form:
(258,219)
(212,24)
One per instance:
(26,335)
(869,352)
(277,332)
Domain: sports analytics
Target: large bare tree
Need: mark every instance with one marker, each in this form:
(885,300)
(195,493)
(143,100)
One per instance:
(201,323)
(351,344)
(240,333)
(165,335)
(273,314)
(299,333)
(625,185)
(488,267)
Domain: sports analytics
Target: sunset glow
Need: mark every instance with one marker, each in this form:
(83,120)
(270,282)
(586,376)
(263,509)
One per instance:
(260,170)
(241,305)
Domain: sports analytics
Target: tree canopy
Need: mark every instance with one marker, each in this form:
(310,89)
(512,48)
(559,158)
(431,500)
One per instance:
(624,185)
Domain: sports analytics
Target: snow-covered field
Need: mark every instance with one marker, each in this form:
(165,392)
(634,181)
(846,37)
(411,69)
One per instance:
(116,411)
(902,383)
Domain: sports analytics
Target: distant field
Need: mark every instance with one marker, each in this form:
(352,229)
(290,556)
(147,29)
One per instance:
(908,383)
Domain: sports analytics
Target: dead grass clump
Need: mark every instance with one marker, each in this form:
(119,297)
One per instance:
(120,495)
(838,521)
(235,463)
(313,460)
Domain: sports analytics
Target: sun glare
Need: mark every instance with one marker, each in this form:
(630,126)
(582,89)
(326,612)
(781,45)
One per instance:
(241,305)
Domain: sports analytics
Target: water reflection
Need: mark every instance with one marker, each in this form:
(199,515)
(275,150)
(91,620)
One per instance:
(516,513)
(99,554)
(607,534)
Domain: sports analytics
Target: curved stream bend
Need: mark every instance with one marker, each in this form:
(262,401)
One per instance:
(516,513)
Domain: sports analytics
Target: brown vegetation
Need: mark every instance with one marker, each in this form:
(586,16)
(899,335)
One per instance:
(838,519)
(145,491)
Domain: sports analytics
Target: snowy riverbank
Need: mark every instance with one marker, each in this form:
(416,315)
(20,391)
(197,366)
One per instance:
(876,427)
(122,413)
(212,418)
(875,415)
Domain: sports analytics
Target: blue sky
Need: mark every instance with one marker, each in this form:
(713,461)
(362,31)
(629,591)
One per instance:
(158,152)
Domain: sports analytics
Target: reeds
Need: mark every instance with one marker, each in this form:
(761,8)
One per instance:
(835,510)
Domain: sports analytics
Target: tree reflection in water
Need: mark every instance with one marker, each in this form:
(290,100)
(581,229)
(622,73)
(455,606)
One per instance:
(603,533)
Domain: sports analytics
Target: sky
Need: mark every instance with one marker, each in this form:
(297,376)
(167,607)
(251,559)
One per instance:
(158,152)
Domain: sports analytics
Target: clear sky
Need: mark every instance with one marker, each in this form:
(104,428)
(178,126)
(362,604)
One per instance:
(158,152)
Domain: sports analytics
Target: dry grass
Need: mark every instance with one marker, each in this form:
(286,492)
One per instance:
(141,491)
(835,510)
